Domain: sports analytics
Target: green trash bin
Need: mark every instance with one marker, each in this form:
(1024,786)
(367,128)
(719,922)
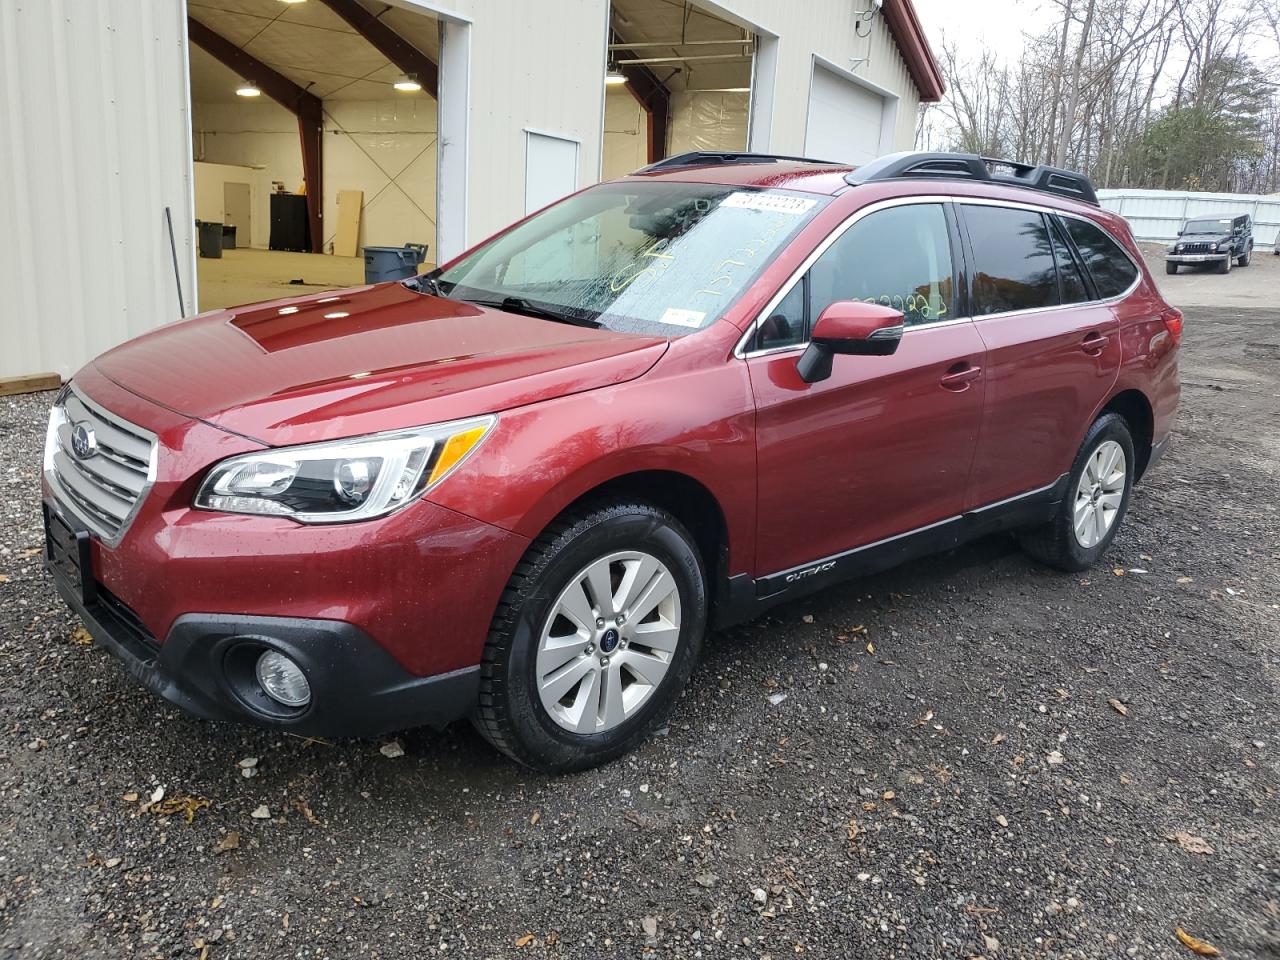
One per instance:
(392,263)
(210,239)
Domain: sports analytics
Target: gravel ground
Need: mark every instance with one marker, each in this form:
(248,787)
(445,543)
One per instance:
(973,756)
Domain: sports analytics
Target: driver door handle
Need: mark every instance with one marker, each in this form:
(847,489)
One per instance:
(959,376)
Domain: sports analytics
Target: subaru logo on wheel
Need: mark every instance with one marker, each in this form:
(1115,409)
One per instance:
(83,442)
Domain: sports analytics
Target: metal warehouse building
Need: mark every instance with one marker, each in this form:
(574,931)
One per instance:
(304,131)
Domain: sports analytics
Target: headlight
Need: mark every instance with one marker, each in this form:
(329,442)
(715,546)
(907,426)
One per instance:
(342,480)
(1213,247)
(57,417)
(1178,248)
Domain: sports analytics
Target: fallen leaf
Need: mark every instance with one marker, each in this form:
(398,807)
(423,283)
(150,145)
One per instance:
(1191,843)
(997,739)
(4,578)
(1056,759)
(229,841)
(112,862)
(1118,571)
(130,797)
(184,804)
(157,794)
(525,940)
(261,812)
(1186,579)
(853,830)
(304,808)
(871,647)
(1002,820)
(1118,707)
(1126,778)
(533,820)
(1199,947)
(81,636)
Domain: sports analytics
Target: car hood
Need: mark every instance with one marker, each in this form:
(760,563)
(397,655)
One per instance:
(1203,238)
(364,360)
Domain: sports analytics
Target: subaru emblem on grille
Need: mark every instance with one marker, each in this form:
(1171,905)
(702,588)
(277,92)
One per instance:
(84,444)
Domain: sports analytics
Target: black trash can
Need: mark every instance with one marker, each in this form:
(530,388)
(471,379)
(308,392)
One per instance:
(228,237)
(210,239)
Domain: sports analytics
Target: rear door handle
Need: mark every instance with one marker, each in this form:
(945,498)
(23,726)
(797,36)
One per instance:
(960,376)
(1095,343)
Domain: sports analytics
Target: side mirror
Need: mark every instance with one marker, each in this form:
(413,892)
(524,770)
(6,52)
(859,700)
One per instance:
(849,327)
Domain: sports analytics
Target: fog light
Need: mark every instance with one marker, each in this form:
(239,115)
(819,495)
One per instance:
(283,680)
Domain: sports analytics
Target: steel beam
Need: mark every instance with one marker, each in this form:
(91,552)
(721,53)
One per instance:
(654,97)
(307,107)
(389,43)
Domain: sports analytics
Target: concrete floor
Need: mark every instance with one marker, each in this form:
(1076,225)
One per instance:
(247,276)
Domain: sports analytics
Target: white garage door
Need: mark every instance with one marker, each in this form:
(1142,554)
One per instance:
(844,119)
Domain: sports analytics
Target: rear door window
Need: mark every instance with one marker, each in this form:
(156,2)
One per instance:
(1013,260)
(1070,281)
(1112,270)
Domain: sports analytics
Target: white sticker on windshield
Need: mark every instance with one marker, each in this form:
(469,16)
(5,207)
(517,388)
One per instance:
(682,318)
(768,202)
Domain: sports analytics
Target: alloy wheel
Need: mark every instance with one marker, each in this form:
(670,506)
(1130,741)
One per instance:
(608,641)
(1099,493)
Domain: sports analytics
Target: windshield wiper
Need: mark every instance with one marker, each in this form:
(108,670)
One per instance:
(424,283)
(522,306)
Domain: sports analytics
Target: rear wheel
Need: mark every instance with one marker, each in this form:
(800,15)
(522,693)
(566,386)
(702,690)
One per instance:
(1244,257)
(595,636)
(1095,503)
(1170,267)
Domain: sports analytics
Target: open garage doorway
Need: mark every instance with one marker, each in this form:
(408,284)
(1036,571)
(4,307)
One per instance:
(314,131)
(678,79)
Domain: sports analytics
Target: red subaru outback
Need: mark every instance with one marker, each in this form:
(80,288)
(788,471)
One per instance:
(522,487)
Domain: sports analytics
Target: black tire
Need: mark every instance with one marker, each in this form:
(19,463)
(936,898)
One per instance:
(1224,265)
(510,714)
(1055,543)
(1244,257)
(1170,267)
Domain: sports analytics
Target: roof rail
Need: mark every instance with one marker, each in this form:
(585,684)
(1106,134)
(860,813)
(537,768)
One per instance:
(700,157)
(970,166)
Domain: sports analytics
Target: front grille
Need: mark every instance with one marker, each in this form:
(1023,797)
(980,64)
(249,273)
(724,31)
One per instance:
(1196,248)
(105,482)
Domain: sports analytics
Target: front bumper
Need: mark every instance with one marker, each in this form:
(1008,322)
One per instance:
(1196,257)
(205,667)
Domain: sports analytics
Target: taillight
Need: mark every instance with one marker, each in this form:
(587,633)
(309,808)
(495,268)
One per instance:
(1172,318)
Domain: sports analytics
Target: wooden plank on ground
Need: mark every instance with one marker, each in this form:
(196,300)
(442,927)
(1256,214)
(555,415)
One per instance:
(29,384)
(348,235)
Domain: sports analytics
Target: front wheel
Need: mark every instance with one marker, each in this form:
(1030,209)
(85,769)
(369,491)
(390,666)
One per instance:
(1224,265)
(594,638)
(1170,267)
(1096,501)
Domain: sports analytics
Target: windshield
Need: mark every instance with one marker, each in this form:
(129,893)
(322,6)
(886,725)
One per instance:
(1207,226)
(639,257)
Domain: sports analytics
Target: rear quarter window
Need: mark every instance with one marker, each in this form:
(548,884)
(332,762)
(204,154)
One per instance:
(1112,270)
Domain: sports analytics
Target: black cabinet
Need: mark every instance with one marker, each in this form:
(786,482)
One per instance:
(290,228)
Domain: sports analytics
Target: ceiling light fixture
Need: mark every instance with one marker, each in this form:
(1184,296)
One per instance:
(408,84)
(248,89)
(613,76)
(293,1)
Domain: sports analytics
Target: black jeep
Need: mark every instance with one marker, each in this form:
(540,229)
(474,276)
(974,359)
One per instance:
(1217,240)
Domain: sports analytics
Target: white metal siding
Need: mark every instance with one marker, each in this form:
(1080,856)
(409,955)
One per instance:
(845,120)
(95,145)
(1157,214)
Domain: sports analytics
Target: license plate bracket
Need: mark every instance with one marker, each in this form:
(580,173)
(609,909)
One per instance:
(68,553)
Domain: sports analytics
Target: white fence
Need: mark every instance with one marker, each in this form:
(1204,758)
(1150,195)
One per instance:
(1157,214)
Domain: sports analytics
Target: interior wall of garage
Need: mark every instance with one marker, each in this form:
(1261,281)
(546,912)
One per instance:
(626,134)
(826,30)
(210,186)
(88,172)
(708,120)
(534,66)
(383,148)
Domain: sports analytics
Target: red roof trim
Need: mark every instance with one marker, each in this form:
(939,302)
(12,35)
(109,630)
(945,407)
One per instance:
(904,25)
